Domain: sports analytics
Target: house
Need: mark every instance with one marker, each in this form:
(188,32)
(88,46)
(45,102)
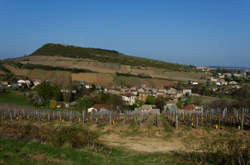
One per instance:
(188,108)
(28,83)
(213,79)
(88,86)
(222,76)
(21,82)
(36,82)
(171,107)
(148,109)
(223,82)
(194,83)
(237,75)
(187,92)
(141,90)
(129,98)
(142,96)
(228,74)
(233,83)
(98,108)
(172,91)
(192,108)
(218,83)
(179,94)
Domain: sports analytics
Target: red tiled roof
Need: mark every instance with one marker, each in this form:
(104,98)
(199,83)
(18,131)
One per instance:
(188,107)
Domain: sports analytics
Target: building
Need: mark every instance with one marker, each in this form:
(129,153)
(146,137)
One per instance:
(187,92)
(148,109)
(142,96)
(129,98)
(98,108)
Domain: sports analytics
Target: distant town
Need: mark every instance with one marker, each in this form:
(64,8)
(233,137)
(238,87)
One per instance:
(222,83)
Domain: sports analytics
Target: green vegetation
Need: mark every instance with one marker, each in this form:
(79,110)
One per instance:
(13,98)
(160,102)
(150,100)
(49,91)
(22,152)
(85,103)
(50,68)
(133,75)
(110,56)
(3,68)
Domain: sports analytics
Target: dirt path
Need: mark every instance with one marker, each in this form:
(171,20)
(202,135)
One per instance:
(144,144)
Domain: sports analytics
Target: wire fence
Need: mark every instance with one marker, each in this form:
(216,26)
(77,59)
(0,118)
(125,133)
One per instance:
(215,118)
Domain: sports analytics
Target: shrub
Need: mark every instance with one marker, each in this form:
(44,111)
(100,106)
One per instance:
(76,137)
(49,91)
(52,104)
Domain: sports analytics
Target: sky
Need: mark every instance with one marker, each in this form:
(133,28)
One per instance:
(193,32)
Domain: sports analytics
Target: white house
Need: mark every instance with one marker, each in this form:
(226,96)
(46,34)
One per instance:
(187,92)
(194,83)
(129,98)
(148,109)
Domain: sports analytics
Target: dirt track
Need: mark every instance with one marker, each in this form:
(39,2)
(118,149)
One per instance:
(143,144)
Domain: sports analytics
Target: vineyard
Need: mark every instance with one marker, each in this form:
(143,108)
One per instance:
(213,118)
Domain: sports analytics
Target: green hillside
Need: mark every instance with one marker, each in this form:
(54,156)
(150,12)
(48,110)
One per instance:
(103,55)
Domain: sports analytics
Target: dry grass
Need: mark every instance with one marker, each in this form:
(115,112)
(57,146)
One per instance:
(61,78)
(101,67)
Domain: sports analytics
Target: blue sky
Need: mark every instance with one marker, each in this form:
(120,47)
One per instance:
(197,32)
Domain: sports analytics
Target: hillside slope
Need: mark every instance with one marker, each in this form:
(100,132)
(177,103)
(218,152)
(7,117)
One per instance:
(103,55)
(98,66)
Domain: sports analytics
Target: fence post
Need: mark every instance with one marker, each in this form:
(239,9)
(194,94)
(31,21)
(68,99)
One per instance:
(110,118)
(141,118)
(83,117)
(156,120)
(124,118)
(197,120)
(242,119)
(176,120)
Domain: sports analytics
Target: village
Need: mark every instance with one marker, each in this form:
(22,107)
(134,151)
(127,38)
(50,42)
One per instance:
(138,98)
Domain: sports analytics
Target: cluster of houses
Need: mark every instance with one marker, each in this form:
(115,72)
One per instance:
(151,109)
(226,79)
(131,95)
(220,80)
(20,83)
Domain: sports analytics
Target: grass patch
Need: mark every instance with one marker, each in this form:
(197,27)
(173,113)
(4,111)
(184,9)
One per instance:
(21,152)
(13,98)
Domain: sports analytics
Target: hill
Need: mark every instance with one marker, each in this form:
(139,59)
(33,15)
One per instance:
(102,55)
(97,66)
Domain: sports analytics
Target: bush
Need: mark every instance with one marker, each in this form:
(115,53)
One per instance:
(235,151)
(49,91)
(76,137)
(34,99)
(52,104)
(150,100)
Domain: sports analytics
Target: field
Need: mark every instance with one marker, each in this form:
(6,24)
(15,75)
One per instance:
(22,152)
(97,72)
(42,142)
(13,98)
(62,78)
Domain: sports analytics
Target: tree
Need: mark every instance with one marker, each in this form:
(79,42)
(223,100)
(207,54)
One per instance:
(150,100)
(49,91)
(113,101)
(160,102)
(85,103)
